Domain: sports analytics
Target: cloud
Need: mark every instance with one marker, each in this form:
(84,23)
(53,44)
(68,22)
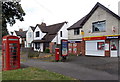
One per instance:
(54,11)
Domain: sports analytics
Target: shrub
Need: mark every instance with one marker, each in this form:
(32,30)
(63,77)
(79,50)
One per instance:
(47,50)
(33,54)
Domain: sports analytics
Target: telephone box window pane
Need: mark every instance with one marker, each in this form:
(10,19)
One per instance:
(13,44)
(13,48)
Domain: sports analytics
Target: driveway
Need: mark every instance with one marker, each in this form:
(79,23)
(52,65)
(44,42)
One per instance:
(81,67)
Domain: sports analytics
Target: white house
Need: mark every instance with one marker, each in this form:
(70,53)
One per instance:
(48,36)
(30,36)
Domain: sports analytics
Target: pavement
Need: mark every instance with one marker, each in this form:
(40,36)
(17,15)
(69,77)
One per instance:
(81,67)
(0,65)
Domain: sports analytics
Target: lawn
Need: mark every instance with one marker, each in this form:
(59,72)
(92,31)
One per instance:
(31,73)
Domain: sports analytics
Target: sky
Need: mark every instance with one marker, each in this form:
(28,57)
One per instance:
(57,11)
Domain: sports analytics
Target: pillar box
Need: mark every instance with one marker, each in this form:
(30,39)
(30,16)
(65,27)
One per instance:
(57,54)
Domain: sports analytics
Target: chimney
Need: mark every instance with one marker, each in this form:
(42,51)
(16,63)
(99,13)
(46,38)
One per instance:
(43,24)
(20,29)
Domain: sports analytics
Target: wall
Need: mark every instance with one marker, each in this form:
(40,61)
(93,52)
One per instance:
(41,34)
(72,36)
(51,47)
(100,15)
(29,39)
(107,53)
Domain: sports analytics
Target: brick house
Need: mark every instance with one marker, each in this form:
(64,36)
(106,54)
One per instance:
(97,33)
(49,36)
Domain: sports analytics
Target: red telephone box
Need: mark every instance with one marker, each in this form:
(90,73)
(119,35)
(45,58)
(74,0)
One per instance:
(10,53)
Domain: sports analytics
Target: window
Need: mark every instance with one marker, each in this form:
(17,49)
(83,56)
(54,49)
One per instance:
(37,45)
(76,31)
(113,45)
(98,26)
(37,34)
(60,33)
(30,34)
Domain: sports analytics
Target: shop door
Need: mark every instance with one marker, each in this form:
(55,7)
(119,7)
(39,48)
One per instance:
(114,48)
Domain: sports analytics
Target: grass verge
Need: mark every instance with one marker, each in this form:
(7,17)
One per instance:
(31,73)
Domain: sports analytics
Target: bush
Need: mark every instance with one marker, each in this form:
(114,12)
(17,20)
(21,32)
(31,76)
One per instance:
(47,50)
(33,54)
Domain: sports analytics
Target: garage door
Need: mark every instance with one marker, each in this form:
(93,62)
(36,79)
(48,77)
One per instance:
(92,50)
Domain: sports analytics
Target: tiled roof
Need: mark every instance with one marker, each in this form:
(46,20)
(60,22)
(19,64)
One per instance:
(82,21)
(33,28)
(51,31)
(22,34)
(42,28)
(78,24)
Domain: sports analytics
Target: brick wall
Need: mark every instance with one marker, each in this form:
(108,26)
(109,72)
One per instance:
(107,53)
(78,48)
(50,46)
(83,48)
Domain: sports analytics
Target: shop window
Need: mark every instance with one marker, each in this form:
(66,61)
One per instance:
(100,45)
(76,31)
(70,44)
(99,26)
(75,44)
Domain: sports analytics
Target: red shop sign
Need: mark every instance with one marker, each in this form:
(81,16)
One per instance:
(95,38)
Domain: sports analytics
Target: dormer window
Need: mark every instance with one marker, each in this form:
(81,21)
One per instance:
(99,26)
(37,34)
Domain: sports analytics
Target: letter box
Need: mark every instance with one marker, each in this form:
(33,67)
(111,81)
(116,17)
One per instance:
(10,53)
(57,54)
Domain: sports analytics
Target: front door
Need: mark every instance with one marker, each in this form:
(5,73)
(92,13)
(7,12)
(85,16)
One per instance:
(114,48)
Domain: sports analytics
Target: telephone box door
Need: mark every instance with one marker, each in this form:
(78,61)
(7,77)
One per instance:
(14,55)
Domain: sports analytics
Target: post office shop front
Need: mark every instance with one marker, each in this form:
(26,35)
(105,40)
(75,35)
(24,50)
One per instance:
(102,46)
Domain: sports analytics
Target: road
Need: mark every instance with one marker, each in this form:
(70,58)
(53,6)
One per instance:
(83,68)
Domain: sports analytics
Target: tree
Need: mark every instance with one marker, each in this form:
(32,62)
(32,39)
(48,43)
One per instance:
(11,11)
